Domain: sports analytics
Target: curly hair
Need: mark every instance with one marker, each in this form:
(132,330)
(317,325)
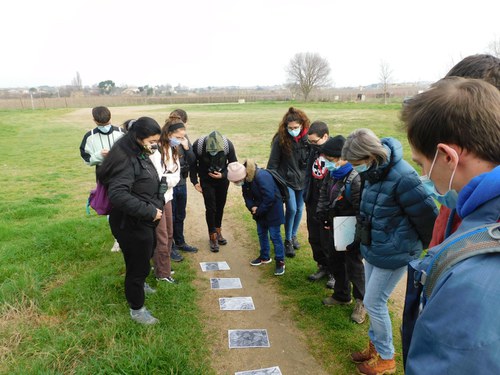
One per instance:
(285,139)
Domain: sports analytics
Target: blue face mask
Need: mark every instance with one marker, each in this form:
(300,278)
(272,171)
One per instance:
(449,199)
(361,168)
(295,132)
(174,142)
(331,166)
(104,128)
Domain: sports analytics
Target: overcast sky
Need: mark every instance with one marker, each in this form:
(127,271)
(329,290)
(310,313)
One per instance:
(200,43)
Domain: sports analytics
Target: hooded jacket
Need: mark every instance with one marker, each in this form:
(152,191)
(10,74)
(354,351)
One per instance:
(401,213)
(458,331)
(260,190)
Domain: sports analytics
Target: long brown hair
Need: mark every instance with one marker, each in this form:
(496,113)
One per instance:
(293,115)
(166,131)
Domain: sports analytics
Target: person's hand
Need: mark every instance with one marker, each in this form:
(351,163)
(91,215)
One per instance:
(185,143)
(198,187)
(159,214)
(216,175)
(254,210)
(104,152)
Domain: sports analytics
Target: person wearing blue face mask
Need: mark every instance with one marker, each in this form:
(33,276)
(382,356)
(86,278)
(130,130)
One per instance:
(97,142)
(454,134)
(394,226)
(289,155)
(340,194)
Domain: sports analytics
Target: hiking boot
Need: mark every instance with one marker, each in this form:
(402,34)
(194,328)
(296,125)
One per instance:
(148,289)
(330,301)
(143,316)
(221,240)
(365,354)
(116,247)
(359,313)
(318,275)
(289,250)
(377,366)
(295,243)
(175,256)
(187,248)
(280,268)
(258,261)
(167,279)
(214,244)
(330,284)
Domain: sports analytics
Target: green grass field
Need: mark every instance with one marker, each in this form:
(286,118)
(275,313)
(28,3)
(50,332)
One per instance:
(62,309)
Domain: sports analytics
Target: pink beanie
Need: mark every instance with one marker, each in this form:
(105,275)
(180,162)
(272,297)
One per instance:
(236,171)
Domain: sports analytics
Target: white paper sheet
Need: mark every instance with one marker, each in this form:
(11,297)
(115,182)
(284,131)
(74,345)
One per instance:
(343,231)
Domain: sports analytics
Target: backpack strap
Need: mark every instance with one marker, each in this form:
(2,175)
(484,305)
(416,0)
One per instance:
(202,142)
(348,185)
(477,241)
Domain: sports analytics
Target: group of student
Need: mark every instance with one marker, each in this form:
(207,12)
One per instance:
(454,134)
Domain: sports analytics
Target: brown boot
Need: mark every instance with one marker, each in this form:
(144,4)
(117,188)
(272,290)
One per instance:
(377,366)
(364,355)
(220,239)
(214,245)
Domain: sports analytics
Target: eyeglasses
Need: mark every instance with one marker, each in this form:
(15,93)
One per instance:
(313,141)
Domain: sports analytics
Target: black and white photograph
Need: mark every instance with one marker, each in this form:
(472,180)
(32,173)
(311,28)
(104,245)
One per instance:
(262,371)
(236,303)
(248,338)
(225,283)
(214,266)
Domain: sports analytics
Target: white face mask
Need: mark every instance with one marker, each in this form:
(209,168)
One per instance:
(174,142)
(294,132)
(104,128)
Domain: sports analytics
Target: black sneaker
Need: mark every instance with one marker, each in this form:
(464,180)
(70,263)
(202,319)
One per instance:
(259,261)
(295,243)
(289,250)
(175,256)
(317,275)
(169,280)
(188,249)
(280,268)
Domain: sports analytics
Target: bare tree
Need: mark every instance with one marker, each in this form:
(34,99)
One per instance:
(385,78)
(307,71)
(77,81)
(494,47)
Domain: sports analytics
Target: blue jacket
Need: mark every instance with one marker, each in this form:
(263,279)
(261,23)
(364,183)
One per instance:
(458,331)
(260,190)
(401,213)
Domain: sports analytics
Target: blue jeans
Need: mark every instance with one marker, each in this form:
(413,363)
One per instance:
(179,202)
(274,232)
(293,214)
(380,283)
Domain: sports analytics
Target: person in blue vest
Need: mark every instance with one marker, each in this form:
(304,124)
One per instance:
(394,226)
(263,200)
(454,134)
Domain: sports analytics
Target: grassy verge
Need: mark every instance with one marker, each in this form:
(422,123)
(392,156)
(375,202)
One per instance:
(62,309)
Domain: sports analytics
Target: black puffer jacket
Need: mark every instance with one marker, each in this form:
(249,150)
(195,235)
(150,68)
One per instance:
(334,200)
(133,185)
(291,167)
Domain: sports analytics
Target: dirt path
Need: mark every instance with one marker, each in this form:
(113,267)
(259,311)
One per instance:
(288,349)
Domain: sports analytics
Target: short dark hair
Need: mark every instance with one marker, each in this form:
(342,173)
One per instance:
(101,115)
(481,66)
(460,111)
(319,128)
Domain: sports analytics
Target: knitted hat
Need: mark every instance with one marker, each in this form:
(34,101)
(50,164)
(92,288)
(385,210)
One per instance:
(236,171)
(333,147)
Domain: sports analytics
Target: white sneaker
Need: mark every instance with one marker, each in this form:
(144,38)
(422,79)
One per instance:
(116,247)
(148,289)
(170,280)
(143,316)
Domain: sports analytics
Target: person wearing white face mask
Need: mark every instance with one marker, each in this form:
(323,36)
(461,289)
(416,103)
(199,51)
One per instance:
(454,134)
(289,155)
(263,200)
(394,226)
(97,142)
